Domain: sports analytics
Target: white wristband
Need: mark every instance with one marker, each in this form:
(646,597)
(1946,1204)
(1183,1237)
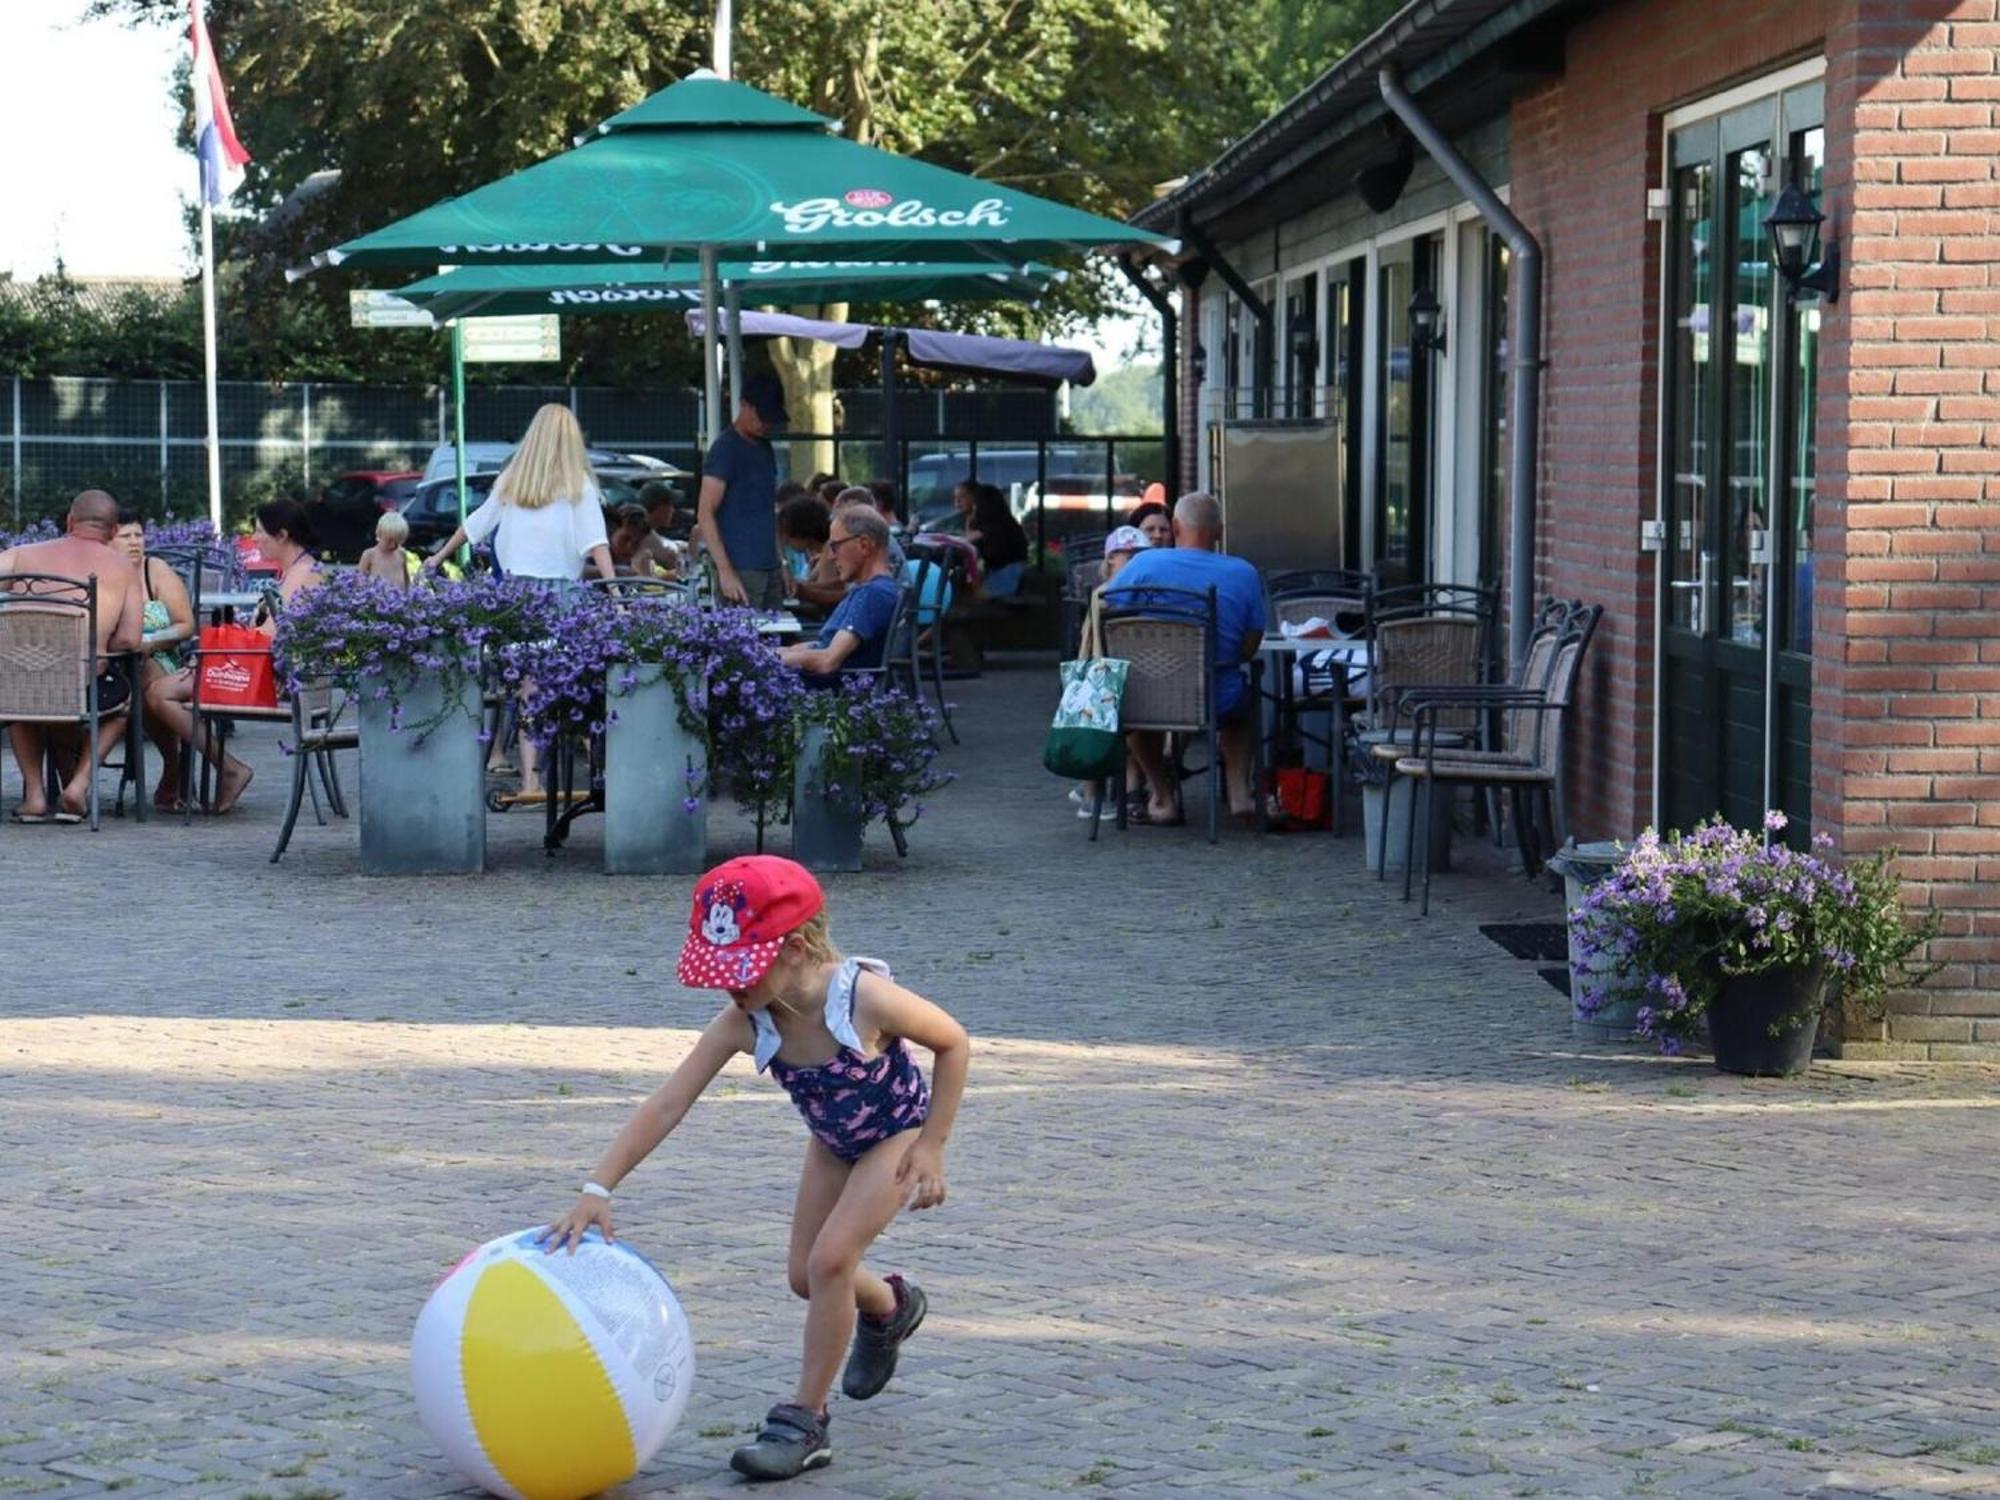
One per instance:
(597,1190)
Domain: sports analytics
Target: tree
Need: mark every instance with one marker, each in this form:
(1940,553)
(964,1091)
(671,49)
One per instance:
(1092,102)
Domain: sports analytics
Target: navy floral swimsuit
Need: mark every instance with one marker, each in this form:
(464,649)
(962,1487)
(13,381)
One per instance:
(851,1102)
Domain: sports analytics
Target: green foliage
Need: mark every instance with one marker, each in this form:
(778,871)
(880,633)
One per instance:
(1093,102)
(1124,402)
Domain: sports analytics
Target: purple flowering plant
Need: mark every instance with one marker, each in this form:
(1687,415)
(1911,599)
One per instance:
(881,748)
(375,639)
(727,680)
(1692,909)
(44,530)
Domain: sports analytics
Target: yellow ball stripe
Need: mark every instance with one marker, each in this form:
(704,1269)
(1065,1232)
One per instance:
(546,1412)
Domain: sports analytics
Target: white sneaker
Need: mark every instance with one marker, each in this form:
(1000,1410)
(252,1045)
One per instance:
(1076,795)
(1107,811)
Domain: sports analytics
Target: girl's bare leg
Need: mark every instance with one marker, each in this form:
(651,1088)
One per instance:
(835,1279)
(820,1186)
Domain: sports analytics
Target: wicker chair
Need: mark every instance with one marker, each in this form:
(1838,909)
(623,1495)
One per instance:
(1169,640)
(1527,764)
(48,658)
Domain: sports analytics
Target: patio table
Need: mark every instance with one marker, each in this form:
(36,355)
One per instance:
(1289,656)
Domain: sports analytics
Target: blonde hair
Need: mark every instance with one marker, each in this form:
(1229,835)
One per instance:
(813,942)
(549,464)
(392,527)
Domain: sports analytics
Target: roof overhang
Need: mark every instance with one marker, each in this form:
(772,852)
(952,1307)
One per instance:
(1310,149)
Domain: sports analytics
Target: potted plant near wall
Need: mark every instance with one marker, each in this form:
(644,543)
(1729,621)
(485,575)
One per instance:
(864,751)
(411,662)
(1743,938)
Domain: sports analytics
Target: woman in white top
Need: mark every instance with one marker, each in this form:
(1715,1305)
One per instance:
(544,515)
(546,519)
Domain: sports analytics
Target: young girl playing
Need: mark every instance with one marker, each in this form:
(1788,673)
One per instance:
(834,1032)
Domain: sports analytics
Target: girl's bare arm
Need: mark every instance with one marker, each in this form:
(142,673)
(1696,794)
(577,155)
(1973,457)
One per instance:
(652,1122)
(886,1007)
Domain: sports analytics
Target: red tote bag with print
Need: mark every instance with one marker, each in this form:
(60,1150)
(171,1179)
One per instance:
(236,670)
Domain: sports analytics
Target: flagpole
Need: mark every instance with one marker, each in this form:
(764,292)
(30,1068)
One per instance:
(208,361)
(724,26)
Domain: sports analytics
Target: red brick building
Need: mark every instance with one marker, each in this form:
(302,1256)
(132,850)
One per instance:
(1787,498)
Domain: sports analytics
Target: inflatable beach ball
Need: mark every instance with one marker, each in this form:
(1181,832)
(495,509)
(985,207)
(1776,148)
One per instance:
(549,1377)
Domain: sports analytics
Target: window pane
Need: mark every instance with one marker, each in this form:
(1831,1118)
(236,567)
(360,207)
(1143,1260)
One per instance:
(1748,476)
(1392,544)
(1694,384)
(1808,161)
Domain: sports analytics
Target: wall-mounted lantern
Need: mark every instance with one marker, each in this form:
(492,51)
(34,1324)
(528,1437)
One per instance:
(1794,224)
(1427,331)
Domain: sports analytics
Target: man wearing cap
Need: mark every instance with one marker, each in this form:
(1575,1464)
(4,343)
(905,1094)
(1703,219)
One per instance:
(737,513)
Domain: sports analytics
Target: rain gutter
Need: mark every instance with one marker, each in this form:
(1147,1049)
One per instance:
(1524,341)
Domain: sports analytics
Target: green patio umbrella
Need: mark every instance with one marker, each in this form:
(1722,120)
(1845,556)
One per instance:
(716,167)
(511,290)
(710,164)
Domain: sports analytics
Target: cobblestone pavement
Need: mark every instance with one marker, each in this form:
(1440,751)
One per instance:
(1264,1186)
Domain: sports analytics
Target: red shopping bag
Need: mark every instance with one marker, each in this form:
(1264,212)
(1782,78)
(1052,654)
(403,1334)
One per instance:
(236,670)
(1304,796)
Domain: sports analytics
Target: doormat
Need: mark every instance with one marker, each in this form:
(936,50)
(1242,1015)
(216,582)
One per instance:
(1536,940)
(1558,978)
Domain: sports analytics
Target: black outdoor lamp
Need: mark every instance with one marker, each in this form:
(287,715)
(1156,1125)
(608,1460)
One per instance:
(1794,223)
(1303,346)
(1426,322)
(1198,362)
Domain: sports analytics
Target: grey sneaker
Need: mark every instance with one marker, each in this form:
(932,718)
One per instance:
(873,1359)
(793,1441)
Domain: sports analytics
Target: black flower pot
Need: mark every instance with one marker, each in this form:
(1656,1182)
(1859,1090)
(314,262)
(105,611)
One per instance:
(1764,1025)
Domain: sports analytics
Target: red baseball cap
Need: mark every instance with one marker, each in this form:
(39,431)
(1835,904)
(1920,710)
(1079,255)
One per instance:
(742,911)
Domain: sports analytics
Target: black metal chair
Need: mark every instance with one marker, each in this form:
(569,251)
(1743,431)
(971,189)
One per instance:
(935,593)
(316,734)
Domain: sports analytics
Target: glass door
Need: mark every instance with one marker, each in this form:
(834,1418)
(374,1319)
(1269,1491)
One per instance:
(1408,430)
(1302,346)
(1341,345)
(1740,388)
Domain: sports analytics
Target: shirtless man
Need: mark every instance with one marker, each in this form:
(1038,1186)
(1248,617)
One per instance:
(84,552)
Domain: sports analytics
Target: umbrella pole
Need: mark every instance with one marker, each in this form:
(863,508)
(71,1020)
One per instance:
(458,417)
(890,468)
(710,384)
(732,301)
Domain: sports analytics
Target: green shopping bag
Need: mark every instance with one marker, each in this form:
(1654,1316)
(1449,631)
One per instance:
(1084,742)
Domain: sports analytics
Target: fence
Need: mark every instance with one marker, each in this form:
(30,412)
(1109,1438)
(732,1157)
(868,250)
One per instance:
(145,441)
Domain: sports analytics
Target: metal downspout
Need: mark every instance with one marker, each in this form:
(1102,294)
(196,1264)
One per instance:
(1170,373)
(1524,389)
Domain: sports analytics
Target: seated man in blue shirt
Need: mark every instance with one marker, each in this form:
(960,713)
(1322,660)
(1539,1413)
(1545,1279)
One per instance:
(1193,563)
(856,634)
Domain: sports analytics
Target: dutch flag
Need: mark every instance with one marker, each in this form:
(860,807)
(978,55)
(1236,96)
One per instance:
(222,155)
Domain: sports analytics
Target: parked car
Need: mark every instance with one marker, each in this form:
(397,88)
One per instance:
(1074,471)
(433,511)
(490,458)
(345,511)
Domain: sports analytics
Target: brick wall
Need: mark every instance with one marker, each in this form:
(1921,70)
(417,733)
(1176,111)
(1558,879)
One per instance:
(1584,150)
(1907,727)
